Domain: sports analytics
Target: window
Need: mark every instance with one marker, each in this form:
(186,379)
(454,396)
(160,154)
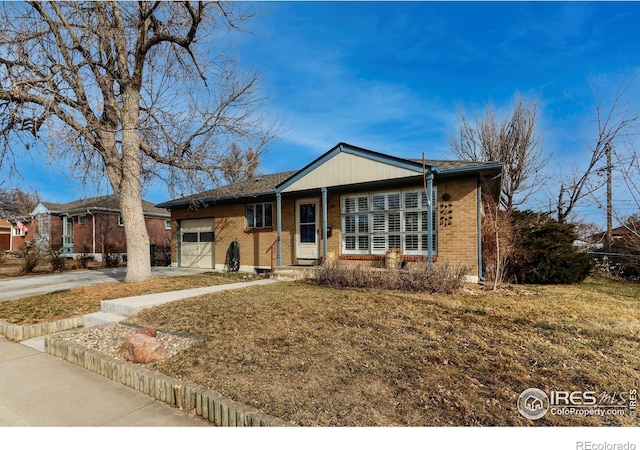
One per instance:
(44,225)
(18,231)
(167,224)
(82,220)
(195,236)
(190,237)
(259,215)
(376,222)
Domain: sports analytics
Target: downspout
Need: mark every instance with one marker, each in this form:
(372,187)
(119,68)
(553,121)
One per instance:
(479,208)
(179,246)
(430,220)
(279,229)
(324,225)
(93,232)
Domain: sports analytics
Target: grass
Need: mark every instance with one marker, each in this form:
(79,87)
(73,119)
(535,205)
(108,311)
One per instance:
(319,356)
(86,300)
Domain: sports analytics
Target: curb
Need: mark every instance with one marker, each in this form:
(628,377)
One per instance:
(22,333)
(186,396)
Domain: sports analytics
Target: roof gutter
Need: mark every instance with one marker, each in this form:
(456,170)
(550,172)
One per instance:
(187,203)
(93,231)
(481,276)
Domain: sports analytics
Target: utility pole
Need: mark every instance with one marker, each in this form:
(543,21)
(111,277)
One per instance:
(607,149)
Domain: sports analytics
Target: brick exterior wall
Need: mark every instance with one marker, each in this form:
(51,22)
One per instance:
(458,237)
(230,224)
(457,231)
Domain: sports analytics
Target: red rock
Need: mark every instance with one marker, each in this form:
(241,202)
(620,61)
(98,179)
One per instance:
(148,331)
(141,348)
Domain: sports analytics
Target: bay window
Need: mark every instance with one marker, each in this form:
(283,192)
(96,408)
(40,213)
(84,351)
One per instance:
(376,222)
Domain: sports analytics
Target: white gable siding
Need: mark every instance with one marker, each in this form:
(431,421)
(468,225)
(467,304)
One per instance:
(40,209)
(345,169)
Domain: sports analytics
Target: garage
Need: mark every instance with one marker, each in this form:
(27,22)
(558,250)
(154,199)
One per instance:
(197,243)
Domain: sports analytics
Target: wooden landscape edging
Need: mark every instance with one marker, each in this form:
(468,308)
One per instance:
(186,396)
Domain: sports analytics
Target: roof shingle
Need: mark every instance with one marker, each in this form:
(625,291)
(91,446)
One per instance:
(106,202)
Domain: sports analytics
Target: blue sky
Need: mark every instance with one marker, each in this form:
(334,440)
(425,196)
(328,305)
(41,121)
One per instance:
(392,76)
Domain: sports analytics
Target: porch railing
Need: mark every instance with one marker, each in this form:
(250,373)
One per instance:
(271,249)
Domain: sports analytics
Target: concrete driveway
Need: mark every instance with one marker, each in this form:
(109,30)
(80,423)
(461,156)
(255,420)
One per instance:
(19,287)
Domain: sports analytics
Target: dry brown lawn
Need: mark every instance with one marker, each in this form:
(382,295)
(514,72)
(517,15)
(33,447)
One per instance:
(86,300)
(319,356)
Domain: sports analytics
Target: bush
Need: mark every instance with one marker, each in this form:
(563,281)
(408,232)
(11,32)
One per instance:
(544,252)
(32,257)
(84,257)
(442,279)
(111,255)
(58,263)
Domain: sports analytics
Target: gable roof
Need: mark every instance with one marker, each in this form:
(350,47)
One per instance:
(344,164)
(347,164)
(106,203)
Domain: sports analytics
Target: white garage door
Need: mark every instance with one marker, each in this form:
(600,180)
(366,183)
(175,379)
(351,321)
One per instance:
(196,243)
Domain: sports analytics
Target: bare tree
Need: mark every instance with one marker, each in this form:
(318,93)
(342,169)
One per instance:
(615,123)
(514,142)
(497,239)
(124,88)
(16,202)
(239,165)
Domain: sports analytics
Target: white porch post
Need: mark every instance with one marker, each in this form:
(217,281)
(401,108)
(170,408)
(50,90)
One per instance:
(324,224)
(430,220)
(279,228)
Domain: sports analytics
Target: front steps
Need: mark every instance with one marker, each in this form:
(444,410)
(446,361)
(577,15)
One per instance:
(293,273)
(101,318)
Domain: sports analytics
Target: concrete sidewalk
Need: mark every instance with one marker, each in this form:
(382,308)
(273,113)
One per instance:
(41,390)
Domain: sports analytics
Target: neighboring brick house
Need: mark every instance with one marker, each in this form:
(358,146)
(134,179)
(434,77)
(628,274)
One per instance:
(91,226)
(350,204)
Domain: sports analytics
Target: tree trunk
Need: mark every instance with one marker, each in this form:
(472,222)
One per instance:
(138,258)
(129,192)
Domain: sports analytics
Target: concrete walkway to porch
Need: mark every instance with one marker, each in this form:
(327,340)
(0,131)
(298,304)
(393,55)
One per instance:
(119,309)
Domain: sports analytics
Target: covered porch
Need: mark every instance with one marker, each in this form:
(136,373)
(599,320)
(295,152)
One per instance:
(357,204)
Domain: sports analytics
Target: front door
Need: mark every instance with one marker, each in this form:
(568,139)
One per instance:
(67,235)
(307,227)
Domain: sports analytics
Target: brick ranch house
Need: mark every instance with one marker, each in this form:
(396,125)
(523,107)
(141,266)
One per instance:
(350,204)
(87,227)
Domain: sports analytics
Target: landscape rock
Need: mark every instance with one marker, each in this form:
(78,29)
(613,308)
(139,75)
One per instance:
(140,348)
(147,331)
